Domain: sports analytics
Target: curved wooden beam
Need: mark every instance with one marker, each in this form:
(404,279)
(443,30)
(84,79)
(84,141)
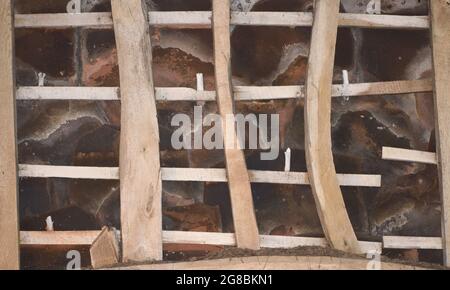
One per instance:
(328,196)
(244,218)
(278,263)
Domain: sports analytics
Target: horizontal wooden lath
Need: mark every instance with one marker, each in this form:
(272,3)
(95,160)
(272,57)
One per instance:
(202,20)
(290,19)
(190,174)
(174,237)
(68,93)
(407,155)
(242,93)
(64,20)
(419,243)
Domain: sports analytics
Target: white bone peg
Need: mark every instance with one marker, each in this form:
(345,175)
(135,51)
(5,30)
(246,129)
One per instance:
(288,155)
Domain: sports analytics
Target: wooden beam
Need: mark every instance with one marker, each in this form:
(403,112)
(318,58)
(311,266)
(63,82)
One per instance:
(9,225)
(383,21)
(68,93)
(184,94)
(244,217)
(282,242)
(199,238)
(188,238)
(328,196)
(184,19)
(273,263)
(440,36)
(68,172)
(406,243)
(140,173)
(407,155)
(105,250)
(191,174)
(300,19)
(241,93)
(58,238)
(269,177)
(383,88)
(202,20)
(64,20)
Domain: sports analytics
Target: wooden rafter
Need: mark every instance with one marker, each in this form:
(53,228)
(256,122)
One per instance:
(244,217)
(9,225)
(440,36)
(140,174)
(328,196)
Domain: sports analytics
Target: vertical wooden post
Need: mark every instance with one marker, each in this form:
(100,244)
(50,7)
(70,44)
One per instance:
(245,225)
(440,35)
(9,224)
(327,193)
(140,173)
